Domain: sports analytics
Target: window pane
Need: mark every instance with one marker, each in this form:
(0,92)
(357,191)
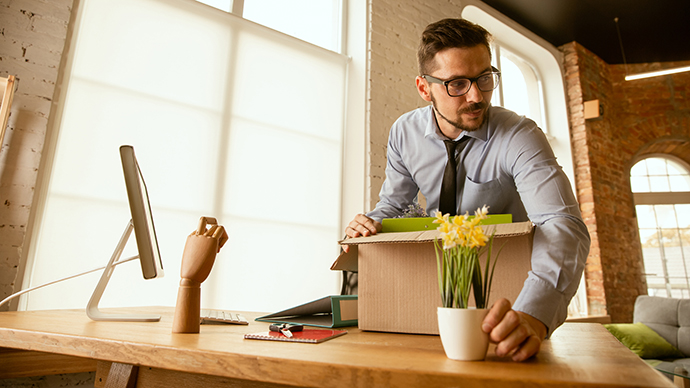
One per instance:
(659,184)
(314,21)
(683,212)
(515,95)
(224,5)
(665,216)
(645,216)
(679,177)
(639,184)
(656,166)
(639,169)
(665,248)
(679,183)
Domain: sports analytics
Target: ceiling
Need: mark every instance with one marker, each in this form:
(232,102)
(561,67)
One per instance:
(651,30)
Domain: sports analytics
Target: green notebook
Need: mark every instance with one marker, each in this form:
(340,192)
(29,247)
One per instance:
(427,223)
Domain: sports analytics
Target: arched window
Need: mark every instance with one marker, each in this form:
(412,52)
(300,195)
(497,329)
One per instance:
(661,190)
(520,89)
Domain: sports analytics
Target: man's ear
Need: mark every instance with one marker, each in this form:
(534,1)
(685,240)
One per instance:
(423,88)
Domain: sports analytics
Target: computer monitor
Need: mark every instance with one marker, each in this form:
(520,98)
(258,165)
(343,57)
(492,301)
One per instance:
(144,231)
(145,234)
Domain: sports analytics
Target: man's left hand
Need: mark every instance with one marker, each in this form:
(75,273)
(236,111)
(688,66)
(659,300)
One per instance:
(515,333)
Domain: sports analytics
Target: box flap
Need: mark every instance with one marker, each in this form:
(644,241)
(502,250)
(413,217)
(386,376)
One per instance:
(500,230)
(347,261)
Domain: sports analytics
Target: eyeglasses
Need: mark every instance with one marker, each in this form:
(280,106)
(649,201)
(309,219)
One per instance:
(460,86)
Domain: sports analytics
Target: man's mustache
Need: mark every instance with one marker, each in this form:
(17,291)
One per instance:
(473,107)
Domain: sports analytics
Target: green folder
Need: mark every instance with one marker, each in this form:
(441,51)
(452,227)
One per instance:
(427,223)
(329,311)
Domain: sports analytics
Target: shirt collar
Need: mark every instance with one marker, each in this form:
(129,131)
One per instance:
(432,130)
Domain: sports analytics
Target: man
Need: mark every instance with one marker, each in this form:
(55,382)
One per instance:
(503,161)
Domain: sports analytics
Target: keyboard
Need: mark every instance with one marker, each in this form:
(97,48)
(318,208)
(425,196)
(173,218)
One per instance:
(222,316)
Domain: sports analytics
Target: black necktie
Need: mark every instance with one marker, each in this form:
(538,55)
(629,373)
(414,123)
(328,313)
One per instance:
(449,186)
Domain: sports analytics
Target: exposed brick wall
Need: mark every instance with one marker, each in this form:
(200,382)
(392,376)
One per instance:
(580,139)
(639,118)
(32,39)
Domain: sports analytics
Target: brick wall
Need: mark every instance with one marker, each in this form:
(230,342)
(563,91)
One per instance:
(580,138)
(639,118)
(32,39)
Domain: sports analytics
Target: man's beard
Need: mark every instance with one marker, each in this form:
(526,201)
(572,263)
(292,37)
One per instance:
(472,107)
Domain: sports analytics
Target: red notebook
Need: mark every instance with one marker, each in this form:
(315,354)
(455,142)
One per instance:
(312,336)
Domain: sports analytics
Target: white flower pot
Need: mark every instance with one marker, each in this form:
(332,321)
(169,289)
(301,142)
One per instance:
(461,333)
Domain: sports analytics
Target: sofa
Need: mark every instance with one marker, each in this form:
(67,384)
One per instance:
(660,332)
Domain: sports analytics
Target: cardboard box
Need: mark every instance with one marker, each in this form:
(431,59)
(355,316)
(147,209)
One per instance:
(398,283)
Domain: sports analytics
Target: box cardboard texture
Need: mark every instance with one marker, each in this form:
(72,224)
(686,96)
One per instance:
(398,283)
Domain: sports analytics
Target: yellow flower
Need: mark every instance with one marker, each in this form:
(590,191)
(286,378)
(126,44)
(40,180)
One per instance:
(440,217)
(477,238)
(457,254)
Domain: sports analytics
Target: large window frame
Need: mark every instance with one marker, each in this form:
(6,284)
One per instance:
(349,175)
(665,244)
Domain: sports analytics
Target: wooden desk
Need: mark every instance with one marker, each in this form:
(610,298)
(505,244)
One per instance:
(578,355)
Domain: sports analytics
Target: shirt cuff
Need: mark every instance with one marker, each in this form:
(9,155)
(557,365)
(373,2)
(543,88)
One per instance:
(540,300)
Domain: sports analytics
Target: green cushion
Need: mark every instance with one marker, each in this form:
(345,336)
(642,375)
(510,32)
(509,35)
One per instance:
(643,341)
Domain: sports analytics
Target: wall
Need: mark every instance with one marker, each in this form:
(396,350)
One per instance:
(639,118)
(395,28)
(32,39)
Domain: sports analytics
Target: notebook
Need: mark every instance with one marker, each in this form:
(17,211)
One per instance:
(312,336)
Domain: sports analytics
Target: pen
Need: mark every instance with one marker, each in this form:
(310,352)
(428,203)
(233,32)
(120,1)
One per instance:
(285,328)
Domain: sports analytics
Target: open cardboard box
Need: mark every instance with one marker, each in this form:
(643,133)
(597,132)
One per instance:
(398,283)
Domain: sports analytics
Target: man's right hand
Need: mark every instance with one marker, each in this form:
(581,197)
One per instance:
(361,226)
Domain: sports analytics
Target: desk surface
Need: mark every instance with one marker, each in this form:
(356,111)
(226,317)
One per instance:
(578,354)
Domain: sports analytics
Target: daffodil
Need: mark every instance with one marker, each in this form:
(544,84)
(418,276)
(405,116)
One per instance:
(457,256)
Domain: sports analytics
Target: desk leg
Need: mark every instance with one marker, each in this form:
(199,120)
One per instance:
(680,381)
(119,375)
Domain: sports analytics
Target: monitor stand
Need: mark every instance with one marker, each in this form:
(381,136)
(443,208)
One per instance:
(92,307)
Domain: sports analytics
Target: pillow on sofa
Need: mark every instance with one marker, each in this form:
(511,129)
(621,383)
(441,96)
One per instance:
(643,341)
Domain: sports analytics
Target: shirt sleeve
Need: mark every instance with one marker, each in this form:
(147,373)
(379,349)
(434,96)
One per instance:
(561,240)
(399,189)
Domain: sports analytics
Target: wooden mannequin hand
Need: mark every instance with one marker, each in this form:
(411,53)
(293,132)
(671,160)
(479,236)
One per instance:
(200,250)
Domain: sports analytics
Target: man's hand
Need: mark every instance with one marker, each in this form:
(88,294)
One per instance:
(515,333)
(361,226)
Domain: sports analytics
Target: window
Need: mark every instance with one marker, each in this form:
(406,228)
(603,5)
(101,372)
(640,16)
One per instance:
(520,88)
(314,21)
(218,113)
(661,189)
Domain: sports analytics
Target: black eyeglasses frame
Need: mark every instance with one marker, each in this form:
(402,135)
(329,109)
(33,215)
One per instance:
(494,71)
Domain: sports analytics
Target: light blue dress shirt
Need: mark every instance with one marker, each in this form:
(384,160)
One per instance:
(508,165)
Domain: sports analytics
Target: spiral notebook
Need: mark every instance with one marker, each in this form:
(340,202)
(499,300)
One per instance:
(313,336)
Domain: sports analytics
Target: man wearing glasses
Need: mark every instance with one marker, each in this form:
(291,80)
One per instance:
(462,153)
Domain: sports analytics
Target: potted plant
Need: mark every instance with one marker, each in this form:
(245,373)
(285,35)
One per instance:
(462,241)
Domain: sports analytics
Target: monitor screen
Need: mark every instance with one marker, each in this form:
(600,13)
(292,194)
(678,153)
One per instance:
(144,231)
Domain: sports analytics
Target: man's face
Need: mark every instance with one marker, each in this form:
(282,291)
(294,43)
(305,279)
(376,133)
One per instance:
(467,112)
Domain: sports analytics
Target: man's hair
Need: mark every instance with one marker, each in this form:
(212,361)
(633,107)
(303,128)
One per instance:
(449,33)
